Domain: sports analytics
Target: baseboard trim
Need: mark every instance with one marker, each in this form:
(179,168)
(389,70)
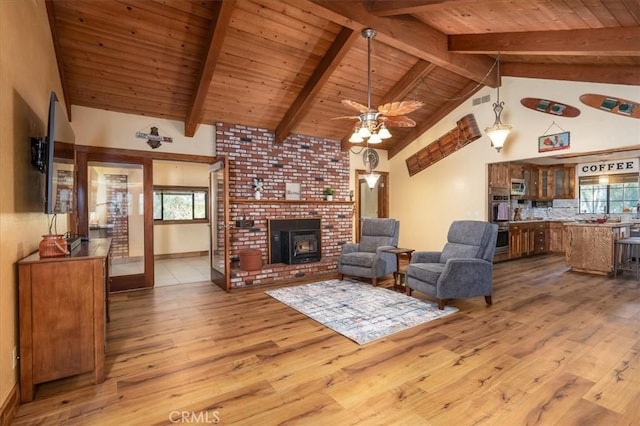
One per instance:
(10,406)
(180,255)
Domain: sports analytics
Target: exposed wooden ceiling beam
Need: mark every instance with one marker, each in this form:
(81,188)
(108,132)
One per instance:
(405,7)
(612,74)
(405,85)
(407,34)
(222,17)
(409,81)
(446,108)
(330,61)
(591,42)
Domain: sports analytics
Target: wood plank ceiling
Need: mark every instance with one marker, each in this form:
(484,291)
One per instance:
(285,65)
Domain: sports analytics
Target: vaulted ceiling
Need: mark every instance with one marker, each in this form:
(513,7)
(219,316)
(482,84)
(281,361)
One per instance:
(285,65)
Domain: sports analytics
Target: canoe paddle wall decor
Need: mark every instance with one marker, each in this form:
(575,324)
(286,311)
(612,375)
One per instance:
(612,105)
(465,132)
(550,107)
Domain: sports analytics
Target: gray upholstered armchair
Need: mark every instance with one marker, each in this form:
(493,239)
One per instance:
(463,268)
(366,258)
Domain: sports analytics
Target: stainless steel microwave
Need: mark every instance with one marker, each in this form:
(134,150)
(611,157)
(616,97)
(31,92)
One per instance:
(518,187)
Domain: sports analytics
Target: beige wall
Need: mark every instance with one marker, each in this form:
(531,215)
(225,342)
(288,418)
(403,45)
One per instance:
(110,129)
(184,238)
(28,73)
(456,187)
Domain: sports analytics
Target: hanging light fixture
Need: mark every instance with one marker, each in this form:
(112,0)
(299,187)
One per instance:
(498,132)
(369,128)
(371,177)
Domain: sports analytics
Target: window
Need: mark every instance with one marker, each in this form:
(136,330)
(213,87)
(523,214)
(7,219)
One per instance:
(173,204)
(619,195)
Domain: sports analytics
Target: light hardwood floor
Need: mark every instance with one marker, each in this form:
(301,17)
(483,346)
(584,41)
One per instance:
(556,348)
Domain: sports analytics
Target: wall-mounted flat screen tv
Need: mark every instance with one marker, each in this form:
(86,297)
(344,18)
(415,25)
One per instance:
(53,155)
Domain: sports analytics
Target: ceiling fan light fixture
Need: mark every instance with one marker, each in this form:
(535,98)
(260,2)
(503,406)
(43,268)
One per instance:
(355,137)
(364,131)
(375,138)
(372,123)
(384,133)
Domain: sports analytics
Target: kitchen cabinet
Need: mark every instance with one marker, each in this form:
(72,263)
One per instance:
(590,247)
(545,183)
(549,182)
(63,309)
(499,178)
(515,242)
(539,237)
(516,171)
(556,230)
(564,182)
(528,238)
(530,176)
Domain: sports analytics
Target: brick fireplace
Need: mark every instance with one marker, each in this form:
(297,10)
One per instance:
(314,163)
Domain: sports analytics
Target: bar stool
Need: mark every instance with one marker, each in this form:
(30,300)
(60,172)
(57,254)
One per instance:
(626,256)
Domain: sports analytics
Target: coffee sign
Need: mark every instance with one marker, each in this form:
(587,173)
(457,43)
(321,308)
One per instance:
(609,167)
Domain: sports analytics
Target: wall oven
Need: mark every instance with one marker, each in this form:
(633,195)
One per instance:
(499,208)
(499,214)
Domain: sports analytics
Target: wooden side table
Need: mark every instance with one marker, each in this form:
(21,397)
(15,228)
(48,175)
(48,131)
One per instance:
(397,284)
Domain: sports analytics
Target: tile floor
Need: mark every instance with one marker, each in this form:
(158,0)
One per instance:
(169,271)
(182,270)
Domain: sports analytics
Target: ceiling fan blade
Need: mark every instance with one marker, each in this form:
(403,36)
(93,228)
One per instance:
(355,105)
(399,108)
(399,121)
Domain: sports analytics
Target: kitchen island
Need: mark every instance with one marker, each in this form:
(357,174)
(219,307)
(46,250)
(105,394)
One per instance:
(590,246)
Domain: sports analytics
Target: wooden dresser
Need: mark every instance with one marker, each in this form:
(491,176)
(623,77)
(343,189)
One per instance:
(63,309)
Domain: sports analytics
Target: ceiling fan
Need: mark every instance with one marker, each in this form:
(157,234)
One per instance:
(372,124)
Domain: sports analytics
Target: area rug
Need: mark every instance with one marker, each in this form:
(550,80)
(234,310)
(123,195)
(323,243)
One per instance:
(358,310)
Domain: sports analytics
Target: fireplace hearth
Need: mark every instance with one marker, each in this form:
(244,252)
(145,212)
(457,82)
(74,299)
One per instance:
(295,241)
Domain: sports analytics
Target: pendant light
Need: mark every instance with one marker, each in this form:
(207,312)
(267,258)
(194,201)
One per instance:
(372,177)
(498,132)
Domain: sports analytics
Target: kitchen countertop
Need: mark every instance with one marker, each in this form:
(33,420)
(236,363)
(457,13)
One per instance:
(515,222)
(580,222)
(605,224)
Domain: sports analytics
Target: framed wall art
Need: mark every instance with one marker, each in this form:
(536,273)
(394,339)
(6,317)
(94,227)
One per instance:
(553,142)
(292,191)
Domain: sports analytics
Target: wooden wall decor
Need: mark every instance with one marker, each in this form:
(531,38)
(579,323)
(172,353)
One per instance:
(550,107)
(465,132)
(611,104)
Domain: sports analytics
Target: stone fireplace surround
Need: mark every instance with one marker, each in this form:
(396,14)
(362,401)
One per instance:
(315,163)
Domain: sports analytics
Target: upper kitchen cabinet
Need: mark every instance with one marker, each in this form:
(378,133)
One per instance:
(499,178)
(564,181)
(556,182)
(530,176)
(516,170)
(549,182)
(545,183)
